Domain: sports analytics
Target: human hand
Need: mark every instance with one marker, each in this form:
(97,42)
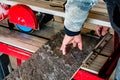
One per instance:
(102,30)
(75,40)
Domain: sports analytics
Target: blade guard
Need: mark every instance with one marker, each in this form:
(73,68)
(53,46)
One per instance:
(23,15)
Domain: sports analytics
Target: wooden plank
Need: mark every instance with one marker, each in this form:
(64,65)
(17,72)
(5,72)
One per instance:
(41,6)
(108,49)
(21,40)
(38,6)
(45,6)
(94,65)
(98,16)
(100,8)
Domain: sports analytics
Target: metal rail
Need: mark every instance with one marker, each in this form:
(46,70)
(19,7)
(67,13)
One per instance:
(91,62)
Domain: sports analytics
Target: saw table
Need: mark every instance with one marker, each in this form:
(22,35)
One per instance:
(48,63)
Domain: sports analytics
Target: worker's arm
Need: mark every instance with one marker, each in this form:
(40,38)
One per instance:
(76,13)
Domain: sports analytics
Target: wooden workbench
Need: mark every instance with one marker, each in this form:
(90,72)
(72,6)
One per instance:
(21,40)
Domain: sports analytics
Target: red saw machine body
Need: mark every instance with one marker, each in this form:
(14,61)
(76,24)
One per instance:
(23,15)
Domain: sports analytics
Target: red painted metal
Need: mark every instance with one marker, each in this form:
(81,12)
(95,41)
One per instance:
(23,15)
(19,62)
(3,11)
(15,52)
(116,53)
(83,75)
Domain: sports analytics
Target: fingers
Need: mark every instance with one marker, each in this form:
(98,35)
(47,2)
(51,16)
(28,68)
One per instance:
(75,40)
(77,43)
(80,46)
(63,49)
(74,44)
(99,29)
(104,31)
(67,40)
(80,43)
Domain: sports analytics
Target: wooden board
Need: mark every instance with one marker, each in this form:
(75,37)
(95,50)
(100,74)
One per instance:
(44,6)
(21,40)
(100,8)
(39,6)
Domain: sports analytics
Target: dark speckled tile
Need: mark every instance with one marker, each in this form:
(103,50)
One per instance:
(48,63)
